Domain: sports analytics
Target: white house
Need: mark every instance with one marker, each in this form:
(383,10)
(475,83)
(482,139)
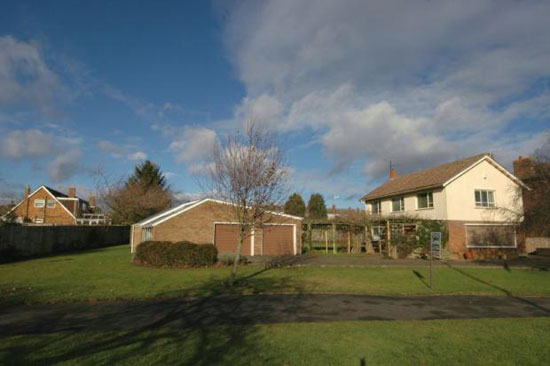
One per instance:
(476,197)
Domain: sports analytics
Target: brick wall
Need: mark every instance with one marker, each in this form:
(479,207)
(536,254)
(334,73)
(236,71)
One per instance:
(197,225)
(57,215)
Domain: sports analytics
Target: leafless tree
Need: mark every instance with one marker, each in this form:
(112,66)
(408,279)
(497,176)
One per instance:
(537,200)
(248,171)
(127,203)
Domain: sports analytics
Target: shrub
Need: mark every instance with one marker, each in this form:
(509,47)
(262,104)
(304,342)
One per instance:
(179,254)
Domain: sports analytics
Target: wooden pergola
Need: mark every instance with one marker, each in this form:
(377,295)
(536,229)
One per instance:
(330,229)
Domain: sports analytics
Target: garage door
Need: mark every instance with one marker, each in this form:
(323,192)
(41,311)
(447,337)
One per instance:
(226,239)
(490,236)
(278,240)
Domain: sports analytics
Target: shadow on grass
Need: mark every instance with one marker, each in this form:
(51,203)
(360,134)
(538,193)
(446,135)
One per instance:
(501,289)
(421,278)
(216,329)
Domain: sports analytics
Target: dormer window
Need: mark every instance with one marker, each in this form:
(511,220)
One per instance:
(398,204)
(425,200)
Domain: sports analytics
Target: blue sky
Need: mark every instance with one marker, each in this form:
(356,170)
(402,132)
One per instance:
(347,86)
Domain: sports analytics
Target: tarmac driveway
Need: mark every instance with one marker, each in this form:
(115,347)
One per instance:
(256,309)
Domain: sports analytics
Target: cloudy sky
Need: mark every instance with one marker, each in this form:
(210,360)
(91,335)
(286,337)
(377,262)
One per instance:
(348,86)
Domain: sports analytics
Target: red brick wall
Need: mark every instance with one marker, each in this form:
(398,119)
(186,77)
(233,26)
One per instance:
(197,225)
(55,216)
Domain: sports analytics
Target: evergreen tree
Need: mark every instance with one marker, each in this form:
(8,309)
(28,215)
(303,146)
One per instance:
(295,205)
(316,207)
(147,175)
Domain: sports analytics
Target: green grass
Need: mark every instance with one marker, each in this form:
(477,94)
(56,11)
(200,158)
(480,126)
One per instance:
(445,342)
(107,274)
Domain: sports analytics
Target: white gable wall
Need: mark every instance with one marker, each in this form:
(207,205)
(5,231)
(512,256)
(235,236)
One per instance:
(461,200)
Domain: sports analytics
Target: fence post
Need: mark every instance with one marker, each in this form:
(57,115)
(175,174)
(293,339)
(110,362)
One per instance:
(334,239)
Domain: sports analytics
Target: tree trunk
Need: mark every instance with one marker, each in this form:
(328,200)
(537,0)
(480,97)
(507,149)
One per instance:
(233,278)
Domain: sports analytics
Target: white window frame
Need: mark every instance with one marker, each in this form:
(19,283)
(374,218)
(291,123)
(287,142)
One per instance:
(39,202)
(429,200)
(401,204)
(50,204)
(378,205)
(147,233)
(38,220)
(479,204)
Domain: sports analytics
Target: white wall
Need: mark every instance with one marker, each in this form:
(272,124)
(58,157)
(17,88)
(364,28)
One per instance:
(461,199)
(438,212)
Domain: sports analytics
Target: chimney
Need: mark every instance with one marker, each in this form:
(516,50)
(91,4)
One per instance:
(91,201)
(72,192)
(393,173)
(524,167)
(27,190)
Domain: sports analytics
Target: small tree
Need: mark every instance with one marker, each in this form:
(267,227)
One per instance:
(295,205)
(143,194)
(316,207)
(248,172)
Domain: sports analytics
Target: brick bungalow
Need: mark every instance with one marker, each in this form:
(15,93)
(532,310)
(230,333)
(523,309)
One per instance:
(210,221)
(476,197)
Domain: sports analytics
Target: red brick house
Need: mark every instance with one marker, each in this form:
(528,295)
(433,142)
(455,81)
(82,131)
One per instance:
(47,206)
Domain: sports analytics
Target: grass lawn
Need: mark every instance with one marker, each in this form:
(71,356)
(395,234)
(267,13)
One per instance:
(107,274)
(452,342)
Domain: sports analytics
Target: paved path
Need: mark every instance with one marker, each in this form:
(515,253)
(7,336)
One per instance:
(255,309)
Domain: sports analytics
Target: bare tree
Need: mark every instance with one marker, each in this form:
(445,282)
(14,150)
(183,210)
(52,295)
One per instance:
(247,171)
(537,200)
(127,202)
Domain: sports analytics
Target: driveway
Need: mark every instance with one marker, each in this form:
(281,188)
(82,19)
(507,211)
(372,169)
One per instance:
(257,309)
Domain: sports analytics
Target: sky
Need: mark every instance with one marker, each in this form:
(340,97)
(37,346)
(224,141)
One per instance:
(346,86)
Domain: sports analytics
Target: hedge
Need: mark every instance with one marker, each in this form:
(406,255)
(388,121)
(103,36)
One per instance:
(176,255)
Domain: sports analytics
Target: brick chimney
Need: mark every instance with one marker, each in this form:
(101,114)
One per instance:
(524,167)
(27,190)
(72,192)
(91,201)
(393,173)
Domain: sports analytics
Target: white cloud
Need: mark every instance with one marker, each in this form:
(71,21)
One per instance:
(121,151)
(19,144)
(193,145)
(413,82)
(139,155)
(25,78)
(64,165)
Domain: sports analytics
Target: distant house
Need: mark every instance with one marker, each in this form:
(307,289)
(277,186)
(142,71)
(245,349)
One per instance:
(47,206)
(476,197)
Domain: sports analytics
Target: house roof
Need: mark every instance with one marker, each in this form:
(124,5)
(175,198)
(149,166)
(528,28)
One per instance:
(168,214)
(430,178)
(61,195)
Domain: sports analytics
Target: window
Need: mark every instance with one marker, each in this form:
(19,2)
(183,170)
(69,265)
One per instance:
(51,204)
(376,207)
(485,198)
(378,233)
(398,204)
(38,220)
(490,236)
(425,200)
(147,234)
(39,203)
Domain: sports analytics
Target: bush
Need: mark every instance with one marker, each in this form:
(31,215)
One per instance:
(228,259)
(176,255)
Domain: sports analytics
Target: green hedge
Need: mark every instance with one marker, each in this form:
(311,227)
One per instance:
(176,255)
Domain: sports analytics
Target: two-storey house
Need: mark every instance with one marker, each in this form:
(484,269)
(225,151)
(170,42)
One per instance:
(476,197)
